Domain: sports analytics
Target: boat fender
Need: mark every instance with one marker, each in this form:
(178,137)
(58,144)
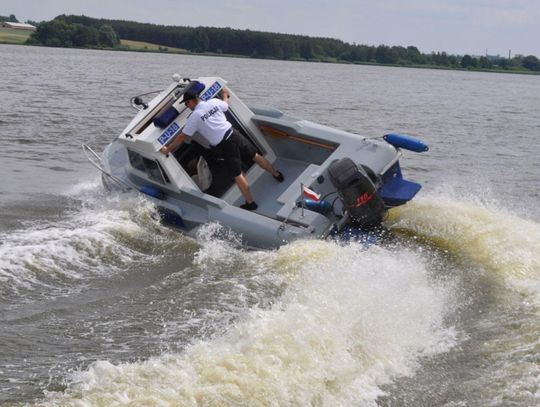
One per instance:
(321,206)
(153,192)
(406,142)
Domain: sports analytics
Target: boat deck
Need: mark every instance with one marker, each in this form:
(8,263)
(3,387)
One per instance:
(270,194)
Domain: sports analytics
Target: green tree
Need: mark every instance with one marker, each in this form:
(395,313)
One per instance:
(60,32)
(55,33)
(466,61)
(504,63)
(453,61)
(200,42)
(484,62)
(306,49)
(107,37)
(440,58)
(357,53)
(401,54)
(414,55)
(516,62)
(290,48)
(13,19)
(82,36)
(386,55)
(531,62)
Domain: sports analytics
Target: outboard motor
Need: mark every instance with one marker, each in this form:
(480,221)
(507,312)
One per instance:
(357,192)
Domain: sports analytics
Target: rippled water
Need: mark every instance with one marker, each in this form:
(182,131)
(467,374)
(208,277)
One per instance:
(102,305)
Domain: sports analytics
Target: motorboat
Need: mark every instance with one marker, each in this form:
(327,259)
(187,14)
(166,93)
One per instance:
(336,183)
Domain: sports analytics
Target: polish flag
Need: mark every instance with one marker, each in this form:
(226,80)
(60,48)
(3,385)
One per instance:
(310,194)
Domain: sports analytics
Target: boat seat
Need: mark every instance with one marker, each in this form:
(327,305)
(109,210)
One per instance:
(203,177)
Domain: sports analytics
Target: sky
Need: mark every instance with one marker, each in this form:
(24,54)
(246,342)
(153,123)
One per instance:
(474,27)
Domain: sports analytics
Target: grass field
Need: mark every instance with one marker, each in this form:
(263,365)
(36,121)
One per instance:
(146,46)
(11,36)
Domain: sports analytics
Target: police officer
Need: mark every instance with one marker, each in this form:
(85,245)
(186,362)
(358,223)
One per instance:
(208,118)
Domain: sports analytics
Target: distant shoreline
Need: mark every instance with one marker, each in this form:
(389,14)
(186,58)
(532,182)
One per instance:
(138,46)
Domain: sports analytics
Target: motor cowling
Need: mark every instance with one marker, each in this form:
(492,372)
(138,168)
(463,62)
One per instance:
(357,192)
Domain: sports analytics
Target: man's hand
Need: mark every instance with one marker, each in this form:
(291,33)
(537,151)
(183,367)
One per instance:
(164,150)
(225,95)
(174,144)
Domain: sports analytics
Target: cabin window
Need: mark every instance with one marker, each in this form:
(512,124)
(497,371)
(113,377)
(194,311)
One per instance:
(152,168)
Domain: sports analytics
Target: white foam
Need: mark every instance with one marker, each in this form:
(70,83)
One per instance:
(350,321)
(481,231)
(87,241)
(218,245)
(504,249)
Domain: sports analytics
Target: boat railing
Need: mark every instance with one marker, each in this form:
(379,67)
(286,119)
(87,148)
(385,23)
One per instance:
(96,161)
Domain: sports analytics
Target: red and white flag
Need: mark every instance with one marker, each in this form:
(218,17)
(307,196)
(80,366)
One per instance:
(310,194)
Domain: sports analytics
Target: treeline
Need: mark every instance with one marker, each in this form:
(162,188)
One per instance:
(11,18)
(61,32)
(84,31)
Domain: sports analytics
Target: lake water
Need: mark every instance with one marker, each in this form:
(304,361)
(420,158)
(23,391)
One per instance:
(101,305)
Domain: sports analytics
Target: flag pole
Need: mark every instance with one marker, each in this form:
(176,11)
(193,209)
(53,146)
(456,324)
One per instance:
(302,197)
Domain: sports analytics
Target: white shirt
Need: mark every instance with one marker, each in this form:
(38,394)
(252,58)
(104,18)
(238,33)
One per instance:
(209,120)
